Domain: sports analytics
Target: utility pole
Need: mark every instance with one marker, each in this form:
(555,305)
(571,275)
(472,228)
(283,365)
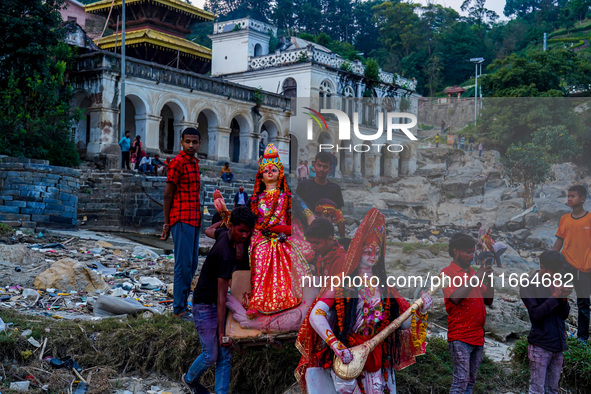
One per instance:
(122,114)
(477,61)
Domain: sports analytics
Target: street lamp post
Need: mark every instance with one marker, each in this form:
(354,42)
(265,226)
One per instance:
(477,61)
(122,114)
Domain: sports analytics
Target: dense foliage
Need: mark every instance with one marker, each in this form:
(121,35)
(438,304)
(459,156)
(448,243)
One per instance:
(431,43)
(530,164)
(35,116)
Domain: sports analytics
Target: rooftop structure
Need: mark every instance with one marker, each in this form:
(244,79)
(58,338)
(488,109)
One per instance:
(156,31)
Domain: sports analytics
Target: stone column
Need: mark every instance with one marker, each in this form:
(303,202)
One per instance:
(346,165)
(246,142)
(219,143)
(101,122)
(357,164)
(408,160)
(391,164)
(372,168)
(148,128)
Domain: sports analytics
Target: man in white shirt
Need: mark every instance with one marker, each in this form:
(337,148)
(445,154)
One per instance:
(146,164)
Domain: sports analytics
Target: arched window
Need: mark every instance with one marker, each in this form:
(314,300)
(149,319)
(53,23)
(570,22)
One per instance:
(326,92)
(258,50)
(290,87)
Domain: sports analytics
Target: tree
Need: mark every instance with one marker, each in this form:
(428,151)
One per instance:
(34,101)
(530,164)
(478,12)
(283,14)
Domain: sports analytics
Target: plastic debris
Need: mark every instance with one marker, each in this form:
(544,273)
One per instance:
(113,306)
(20,386)
(67,362)
(31,295)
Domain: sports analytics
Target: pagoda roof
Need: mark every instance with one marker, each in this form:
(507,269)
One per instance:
(454,89)
(180,6)
(156,38)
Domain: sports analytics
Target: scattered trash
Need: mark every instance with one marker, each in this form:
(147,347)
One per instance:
(20,386)
(31,295)
(67,362)
(2,325)
(17,269)
(26,333)
(34,342)
(114,306)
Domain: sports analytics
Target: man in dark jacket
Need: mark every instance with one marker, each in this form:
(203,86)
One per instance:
(545,297)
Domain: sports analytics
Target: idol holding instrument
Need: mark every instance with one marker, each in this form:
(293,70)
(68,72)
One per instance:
(371,334)
(360,352)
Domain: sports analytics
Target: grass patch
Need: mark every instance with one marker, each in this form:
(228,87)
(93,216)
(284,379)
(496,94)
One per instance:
(160,344)
(433,373)
(5,230)
(168,346)
(576,367)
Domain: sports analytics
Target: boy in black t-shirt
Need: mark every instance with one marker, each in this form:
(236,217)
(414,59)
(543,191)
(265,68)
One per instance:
(209,299)
(314,189)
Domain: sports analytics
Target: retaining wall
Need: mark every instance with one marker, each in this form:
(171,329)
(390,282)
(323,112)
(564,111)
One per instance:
(34,194)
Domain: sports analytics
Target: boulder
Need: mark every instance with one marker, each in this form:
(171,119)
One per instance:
(521,234)
(507,210)
(20,255)
(68,274)
(551,210)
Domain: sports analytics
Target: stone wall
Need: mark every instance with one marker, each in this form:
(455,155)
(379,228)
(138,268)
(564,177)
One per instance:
(456,114)
(128,202)
(34,194)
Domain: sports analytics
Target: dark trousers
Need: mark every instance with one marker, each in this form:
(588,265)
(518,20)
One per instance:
(582,283)
(125,160)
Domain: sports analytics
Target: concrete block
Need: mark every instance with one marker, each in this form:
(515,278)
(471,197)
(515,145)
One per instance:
(28,224)
(11,223)
(54,207)
(40,218)
(32,211)
(52,201)
(59,219)
(35,204)
(9,209)
(20,204)
(6,198)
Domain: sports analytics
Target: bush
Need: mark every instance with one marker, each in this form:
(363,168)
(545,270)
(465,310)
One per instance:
(576,368)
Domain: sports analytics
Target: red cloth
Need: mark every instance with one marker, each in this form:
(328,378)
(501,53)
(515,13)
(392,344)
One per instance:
(331,264)
(465,321)
(281,228)
(183,171)
(374,360)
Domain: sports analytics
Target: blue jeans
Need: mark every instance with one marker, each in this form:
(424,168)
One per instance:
(186,257)
(544,368)
(205,318)
(466,359)
(146,168)
(227,177)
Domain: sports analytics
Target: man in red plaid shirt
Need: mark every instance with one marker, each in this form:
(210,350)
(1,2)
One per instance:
(182,217)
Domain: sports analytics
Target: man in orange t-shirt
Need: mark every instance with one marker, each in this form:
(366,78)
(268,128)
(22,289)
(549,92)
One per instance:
(574,238)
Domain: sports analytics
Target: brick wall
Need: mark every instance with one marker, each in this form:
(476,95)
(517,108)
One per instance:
(35,194)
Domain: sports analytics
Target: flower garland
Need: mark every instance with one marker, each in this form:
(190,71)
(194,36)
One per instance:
(418,335)
(285,209)
(340,306)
